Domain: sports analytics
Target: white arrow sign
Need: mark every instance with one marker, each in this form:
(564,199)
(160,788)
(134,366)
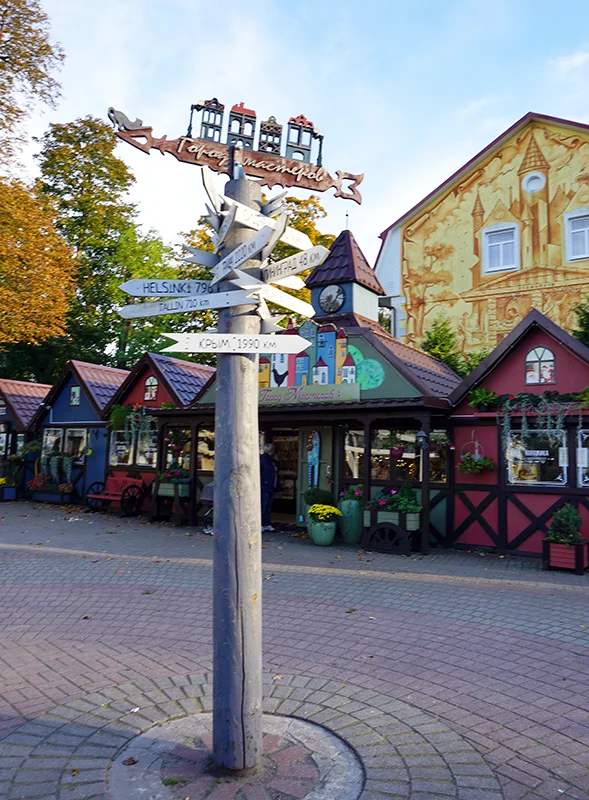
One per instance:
(220,237)
(268,292)
(307,259)
(252,219)
(211,189)
(201,257)
(182,304)
(241,254)
(163,288)
(236,343)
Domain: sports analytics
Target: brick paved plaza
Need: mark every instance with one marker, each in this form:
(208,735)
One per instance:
(452,675)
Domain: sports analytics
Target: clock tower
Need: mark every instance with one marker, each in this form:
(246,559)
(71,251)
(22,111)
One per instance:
(345,284)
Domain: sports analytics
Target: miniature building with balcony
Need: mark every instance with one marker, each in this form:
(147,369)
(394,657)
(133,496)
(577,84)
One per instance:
(212,120)
(299,139)
(270,136)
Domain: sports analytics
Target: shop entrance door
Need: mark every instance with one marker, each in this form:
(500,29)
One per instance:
(286,447)
(315,464)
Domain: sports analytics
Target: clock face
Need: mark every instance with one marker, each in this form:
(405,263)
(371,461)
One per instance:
(331,298)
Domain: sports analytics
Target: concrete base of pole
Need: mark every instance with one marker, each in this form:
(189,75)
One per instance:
(237,610)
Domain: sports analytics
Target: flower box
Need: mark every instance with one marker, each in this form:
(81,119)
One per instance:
(7,493)
(52,497)
(413,521)
(566,556)
(167,489)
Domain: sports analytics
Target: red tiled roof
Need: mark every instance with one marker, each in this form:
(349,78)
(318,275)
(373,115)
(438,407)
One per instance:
(185,378)
(100,382)
(23,398)
(301,120)
(321,363)
(239,109)
(349,362)
(345,262)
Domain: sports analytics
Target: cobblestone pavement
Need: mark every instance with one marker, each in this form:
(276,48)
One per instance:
(462,659)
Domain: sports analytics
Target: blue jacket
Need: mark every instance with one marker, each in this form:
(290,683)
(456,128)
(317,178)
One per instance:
(268,473)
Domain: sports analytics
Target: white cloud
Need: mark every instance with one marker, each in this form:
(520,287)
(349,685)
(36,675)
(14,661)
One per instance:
(563,66)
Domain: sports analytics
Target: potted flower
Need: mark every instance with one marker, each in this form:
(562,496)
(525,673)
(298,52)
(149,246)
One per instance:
(7,490)
(315,495)
(470,464)
(173,480)
(564,546)
(401,507)
(350,505)
(440,441)
(322,521)
(384,506)
(482,399)
(395,444)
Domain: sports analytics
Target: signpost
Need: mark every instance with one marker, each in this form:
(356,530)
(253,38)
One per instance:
(307,259)
(273,294)
(252,219)
(201,257)
(180,305)
(140,287)
(219,238)
(242,253)
(236,343)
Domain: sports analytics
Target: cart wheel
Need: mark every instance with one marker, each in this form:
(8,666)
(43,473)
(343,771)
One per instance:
(131,500)
(386,537)
(95,488)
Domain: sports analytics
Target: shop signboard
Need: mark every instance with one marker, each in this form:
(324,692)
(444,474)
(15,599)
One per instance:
(293,395)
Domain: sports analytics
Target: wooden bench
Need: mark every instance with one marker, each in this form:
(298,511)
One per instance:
(128,492)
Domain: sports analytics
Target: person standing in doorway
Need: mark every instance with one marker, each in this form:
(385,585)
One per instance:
(269,484)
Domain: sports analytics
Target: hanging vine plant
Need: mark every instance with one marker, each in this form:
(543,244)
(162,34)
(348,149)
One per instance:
(549,411)
(134,420)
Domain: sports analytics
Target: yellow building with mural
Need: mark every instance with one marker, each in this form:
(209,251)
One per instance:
(506,233)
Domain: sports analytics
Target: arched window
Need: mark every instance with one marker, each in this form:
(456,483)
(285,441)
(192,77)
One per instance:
(540,366)
(151,386)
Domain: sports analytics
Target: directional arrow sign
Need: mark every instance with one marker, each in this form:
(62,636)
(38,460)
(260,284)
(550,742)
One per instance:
(220,237)
(241,254)
(211,189)
(169,288)
(290,282)
(182,304)
(235,343)
(201,257)
(307,259)
(252,219)
(268,292)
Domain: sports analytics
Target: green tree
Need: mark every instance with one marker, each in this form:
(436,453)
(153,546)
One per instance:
(441,342)
(87,185)
(581,332)
(27,59)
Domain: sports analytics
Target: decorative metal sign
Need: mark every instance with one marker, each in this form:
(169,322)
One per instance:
(180,305)
(265,163)
(145,287)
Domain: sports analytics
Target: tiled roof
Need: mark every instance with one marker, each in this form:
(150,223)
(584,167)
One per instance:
(100,382)
(239,108)
(345,262)
(185,378)
(24,398)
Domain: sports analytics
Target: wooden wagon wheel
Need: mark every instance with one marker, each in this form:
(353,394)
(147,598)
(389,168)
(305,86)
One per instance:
(93,503)
(386,537)
(131,500)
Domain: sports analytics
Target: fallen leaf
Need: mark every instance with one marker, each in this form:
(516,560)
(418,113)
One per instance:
(371,617)
(86,617)
(338,556)
(128,762)
(111,532)
(277,678)
(134,710)
(75,772)
(350,610)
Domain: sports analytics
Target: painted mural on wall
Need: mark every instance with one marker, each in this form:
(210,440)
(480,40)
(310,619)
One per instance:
(511,236)
(331,361)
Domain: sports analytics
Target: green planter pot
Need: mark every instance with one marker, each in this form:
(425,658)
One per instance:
(351,521)
(413,521)
(388,516)
(321,533)
(167,489)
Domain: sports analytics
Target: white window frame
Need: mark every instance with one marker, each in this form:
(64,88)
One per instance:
(77,431)
(113,459)
(60,436)
(562,456)
(151,382)
(150,438)
(540,359)
(583,445)
(498,228)
(568,240)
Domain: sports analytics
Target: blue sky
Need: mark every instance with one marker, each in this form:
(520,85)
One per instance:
(405,92)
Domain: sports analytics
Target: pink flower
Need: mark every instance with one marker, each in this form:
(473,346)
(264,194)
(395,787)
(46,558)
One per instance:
(382,502)
(342,494)
(358,492)
(393,491)
(178,473)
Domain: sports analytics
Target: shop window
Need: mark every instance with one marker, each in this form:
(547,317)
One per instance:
(178,446)
(146,455)
(500,248)
(583,458)
(438,456)
(121,448)
(75,443)
(354,455)
(52,441)
(151,387)
(539,459)
(4,439)
(205,452)
(396,449)
(577,234)
(540,366)
(75,394)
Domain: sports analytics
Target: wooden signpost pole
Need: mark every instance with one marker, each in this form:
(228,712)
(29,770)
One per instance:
(237,591)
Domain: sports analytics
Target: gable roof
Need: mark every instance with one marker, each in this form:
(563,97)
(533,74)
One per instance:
(480,156)
(183,379)
(345,262)
(23,398)
(99,382)
(534,319)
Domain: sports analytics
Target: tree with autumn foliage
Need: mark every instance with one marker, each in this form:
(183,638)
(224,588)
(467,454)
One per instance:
(36,269)
(27,59)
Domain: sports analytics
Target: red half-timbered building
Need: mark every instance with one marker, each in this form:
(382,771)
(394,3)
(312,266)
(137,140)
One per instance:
(534,431)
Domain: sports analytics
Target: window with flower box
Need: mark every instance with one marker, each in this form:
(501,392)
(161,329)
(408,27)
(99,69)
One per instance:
(539,458)
(122,447)
(52,441)
(75,443)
